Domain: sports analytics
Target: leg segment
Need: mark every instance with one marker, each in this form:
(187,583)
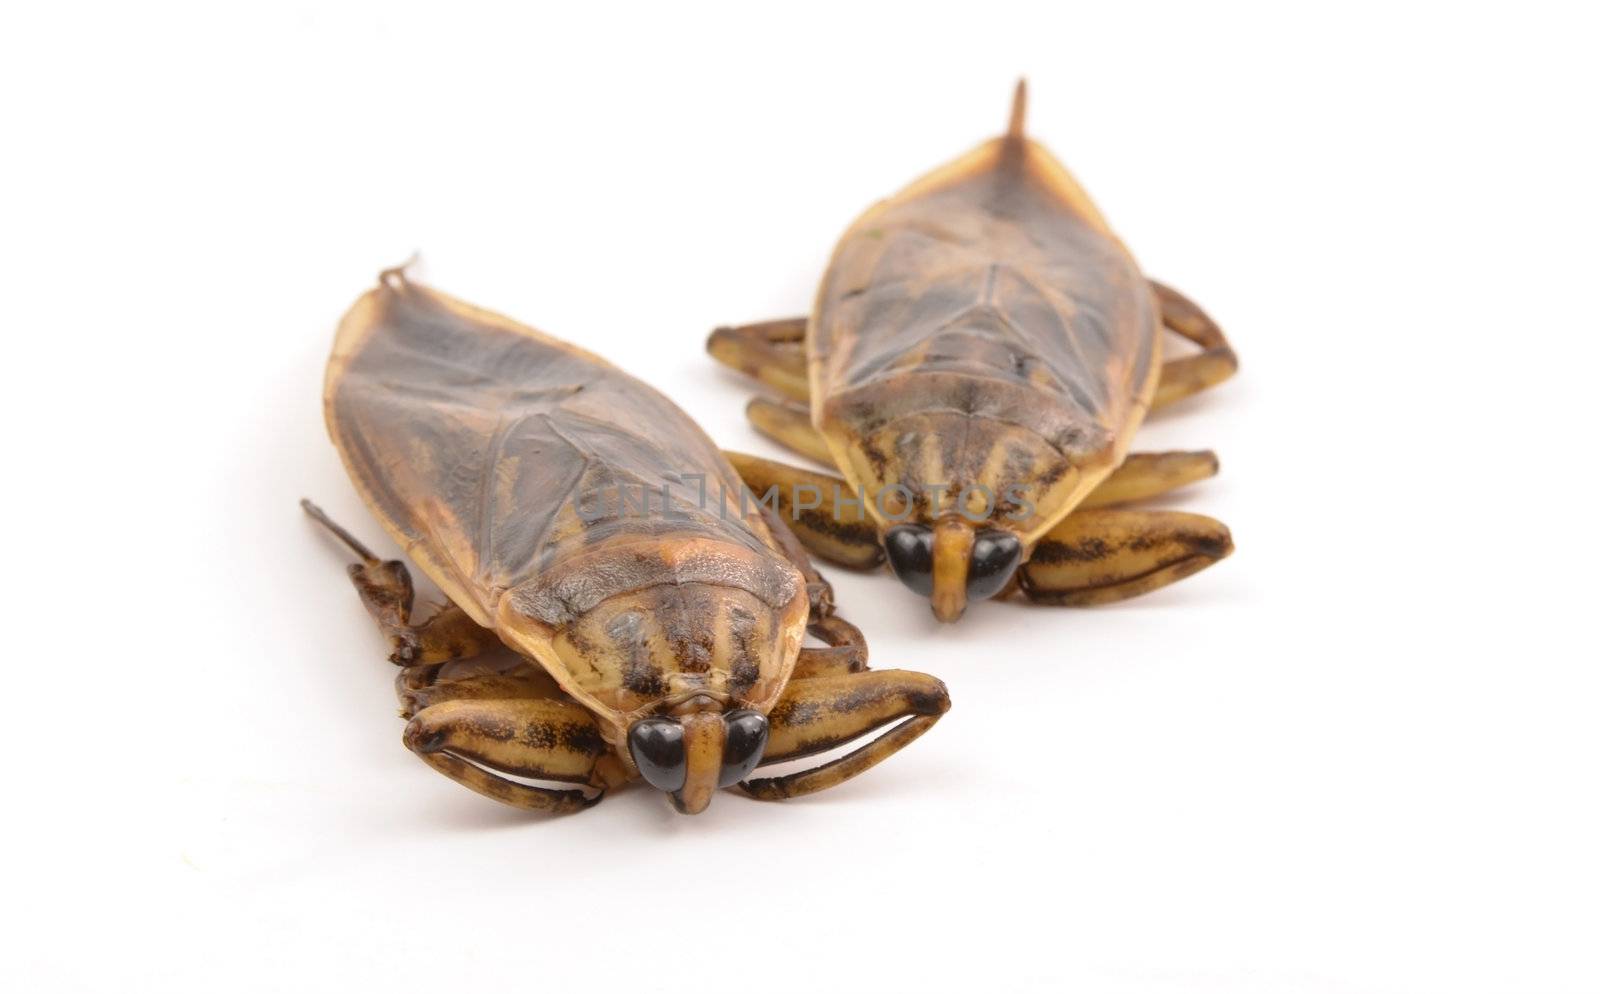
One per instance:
(819,592)
(846,650)
(474,742)
(823,713)
(833,526)
(1096,557)
(421,687)
(488,722)
(1148,474)
(773,352)
(789,424)
(385,589)
(1189,375)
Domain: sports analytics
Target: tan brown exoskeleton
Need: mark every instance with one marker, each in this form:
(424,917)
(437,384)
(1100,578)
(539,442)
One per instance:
(530,480)
(979,355)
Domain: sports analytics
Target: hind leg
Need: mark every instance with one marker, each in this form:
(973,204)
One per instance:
(489,726)
(1189,375)
(385,588)
(773,352)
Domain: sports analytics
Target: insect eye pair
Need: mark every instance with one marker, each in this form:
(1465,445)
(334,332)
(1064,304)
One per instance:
(995,556)
(657,747)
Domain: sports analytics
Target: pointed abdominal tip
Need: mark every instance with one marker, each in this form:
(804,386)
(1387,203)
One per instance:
(1019,109)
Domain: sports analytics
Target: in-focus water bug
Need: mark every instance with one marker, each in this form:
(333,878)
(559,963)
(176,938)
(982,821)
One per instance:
(666,647)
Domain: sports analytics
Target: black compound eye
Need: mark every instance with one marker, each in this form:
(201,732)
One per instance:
(656,745)
(910,552)
(741,751)
(995,555)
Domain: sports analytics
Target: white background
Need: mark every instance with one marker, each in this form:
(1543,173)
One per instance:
(1358,756)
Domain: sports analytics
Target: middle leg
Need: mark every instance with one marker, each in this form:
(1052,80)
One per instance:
(1149,474)
(789,424)
(819,508)
(845,650)
(421,687)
